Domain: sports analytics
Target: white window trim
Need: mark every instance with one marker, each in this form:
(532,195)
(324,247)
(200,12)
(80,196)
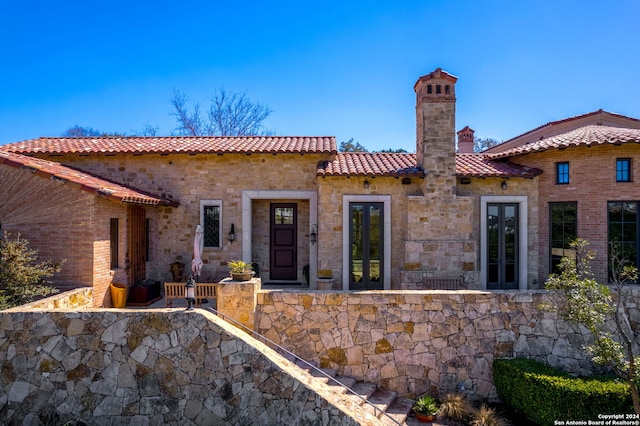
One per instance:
(523,237)
(386,200)
(207,203)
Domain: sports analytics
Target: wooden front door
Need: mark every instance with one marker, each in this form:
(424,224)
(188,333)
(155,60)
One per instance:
(137,244)
(283,242)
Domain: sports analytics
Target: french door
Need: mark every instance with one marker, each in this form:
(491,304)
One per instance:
(502,246)
(366,231)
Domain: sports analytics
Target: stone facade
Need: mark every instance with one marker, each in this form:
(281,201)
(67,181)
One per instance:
(436,201)
(193,178)
(416,342)
(332,227)
(153,367)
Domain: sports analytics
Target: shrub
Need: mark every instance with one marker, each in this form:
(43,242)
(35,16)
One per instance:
(22,280)
(544,394)
(455,407)
(486,416)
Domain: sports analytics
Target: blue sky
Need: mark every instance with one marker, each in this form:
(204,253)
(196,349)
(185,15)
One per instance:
(330,68)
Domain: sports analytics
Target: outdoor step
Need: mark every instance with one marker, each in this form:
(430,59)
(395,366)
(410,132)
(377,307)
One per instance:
(399,410)
(381,399)
(345,381)
(364,390)
(319,374)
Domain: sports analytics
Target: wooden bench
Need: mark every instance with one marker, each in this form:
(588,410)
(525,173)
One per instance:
(176,291)
(444,283)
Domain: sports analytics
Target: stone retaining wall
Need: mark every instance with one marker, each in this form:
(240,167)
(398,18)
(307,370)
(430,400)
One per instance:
(430,341)
(79,298)
(152,367)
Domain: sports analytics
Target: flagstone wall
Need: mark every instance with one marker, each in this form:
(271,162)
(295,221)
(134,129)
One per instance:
(151,367)
(430,341)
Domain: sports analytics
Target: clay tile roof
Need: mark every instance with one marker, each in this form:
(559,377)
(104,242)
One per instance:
(587,135)
(176,144)
(85,181)
(479,165)
(564,120)
(371,164)
(396,165)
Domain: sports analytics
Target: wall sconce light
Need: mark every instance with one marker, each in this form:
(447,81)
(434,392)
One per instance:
(190,292)
(366,184)
(503,185)
(313,237)
(232,233)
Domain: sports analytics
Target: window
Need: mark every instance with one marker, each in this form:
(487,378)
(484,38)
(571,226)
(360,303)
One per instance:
(211,221)
(563,228)
(562,173)
(113,242)
(623,170)
(623,230)
(283,216)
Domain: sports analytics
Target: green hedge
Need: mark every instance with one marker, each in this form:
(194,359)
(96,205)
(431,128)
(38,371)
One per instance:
(544,394)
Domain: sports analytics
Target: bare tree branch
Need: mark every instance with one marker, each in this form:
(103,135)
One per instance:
(189,123)
(230,114)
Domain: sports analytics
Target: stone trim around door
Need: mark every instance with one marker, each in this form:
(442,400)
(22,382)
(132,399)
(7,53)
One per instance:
(249,195)
(386,200)
(522,237)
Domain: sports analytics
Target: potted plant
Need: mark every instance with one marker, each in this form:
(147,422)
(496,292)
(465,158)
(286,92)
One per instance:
(425,408)
(240,270)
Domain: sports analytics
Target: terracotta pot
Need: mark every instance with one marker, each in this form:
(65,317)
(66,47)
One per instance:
(425,418)
(241,276)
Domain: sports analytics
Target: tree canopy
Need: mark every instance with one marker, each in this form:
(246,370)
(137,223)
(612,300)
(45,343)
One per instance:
(351,146)
(481,144)
(79,131)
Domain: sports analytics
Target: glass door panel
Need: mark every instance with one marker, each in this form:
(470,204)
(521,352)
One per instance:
(365,235)
(502,246)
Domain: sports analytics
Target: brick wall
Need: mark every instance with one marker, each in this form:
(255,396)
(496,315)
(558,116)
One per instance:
(592,185)
(62,222)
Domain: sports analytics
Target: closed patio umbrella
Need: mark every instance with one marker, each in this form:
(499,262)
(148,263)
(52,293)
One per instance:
(196,263)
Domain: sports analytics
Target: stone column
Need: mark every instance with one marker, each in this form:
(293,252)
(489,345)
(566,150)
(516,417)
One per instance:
(237,300)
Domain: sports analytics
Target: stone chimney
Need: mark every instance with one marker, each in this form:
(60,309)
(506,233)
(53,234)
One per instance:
(435,130)
(465,140)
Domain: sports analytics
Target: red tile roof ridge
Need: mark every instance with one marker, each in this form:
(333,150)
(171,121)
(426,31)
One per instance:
(96,185)
(371,164)
(566,120)
(586,135)
(175,145)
